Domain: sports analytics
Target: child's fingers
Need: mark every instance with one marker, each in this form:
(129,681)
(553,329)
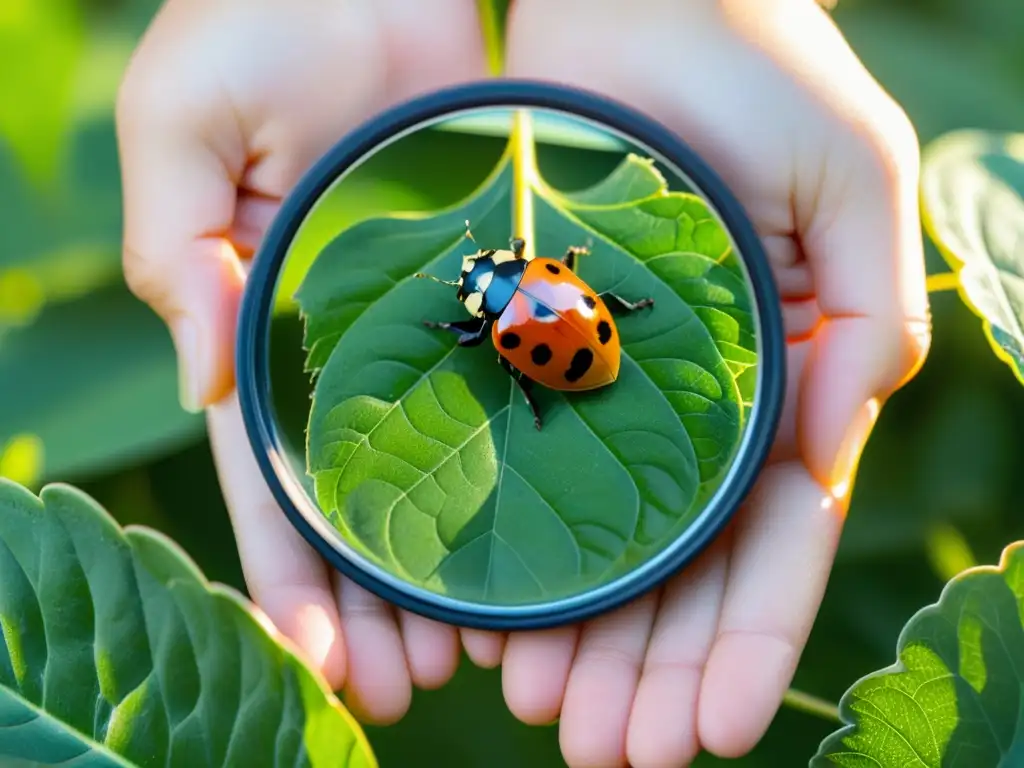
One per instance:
(180,152)
(378,687)
(483,648)
(285,577)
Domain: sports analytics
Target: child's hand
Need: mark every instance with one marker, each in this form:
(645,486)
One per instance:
(225,105)
(229,101)
(827,166)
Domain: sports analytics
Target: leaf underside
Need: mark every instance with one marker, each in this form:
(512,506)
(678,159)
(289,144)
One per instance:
(424,455)
(955,698)
(973,200)
(117,652)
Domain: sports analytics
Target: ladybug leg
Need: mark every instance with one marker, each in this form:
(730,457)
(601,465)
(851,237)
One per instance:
(525,386)
(471,332)
(569,259)
(517,244)
(617,304)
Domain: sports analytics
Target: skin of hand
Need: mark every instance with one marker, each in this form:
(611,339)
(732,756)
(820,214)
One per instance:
(223,107)
(826,165)
(227,102)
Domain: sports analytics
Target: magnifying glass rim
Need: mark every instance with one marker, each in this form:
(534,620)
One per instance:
(252,355)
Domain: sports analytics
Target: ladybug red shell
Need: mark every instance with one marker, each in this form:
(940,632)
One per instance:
(547,324)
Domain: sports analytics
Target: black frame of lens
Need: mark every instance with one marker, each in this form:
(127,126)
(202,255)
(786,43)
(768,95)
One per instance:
(253,347)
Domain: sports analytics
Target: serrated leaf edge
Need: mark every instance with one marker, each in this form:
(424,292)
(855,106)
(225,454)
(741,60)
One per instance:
(850,722)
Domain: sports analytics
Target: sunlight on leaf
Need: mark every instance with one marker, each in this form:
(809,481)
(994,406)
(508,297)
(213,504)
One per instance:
(40,46)
(973,203)
(954,697)
(60,275)
(118,652)
(21,296)
(424,454)
(108,398)
(21,459)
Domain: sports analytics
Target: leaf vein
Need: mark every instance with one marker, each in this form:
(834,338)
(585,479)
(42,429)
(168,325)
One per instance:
(554,513)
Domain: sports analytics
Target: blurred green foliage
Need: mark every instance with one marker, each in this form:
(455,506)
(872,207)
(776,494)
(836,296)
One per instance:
(88,383)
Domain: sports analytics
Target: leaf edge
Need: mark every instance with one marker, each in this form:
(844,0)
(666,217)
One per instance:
(850,724)
(246,610)
(937,149)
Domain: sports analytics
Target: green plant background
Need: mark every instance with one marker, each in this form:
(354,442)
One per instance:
(87,374)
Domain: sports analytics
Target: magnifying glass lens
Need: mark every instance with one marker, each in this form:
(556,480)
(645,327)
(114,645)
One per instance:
(511,355)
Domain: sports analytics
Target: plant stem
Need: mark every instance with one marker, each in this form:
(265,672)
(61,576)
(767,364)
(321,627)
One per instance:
(492,28)
(812,705)
(948,551)
(944,281)
(524,174)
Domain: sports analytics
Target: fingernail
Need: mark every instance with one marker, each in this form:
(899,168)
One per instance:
(186,342)
(845,468)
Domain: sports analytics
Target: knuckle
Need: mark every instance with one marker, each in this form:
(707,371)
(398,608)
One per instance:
(607,654)
(915,340)
(131,92)
(901,349)
(139,101)
(143,279)
(887,146)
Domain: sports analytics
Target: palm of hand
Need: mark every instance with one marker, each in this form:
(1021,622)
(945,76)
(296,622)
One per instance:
(830,182)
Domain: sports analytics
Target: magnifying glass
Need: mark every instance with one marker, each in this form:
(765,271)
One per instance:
(510,355)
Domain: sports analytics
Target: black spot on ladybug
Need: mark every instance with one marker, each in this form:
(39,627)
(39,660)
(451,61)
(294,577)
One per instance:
(510,340)
(604,332)
(553,269)
(589,301)
(580,364)
(540,354)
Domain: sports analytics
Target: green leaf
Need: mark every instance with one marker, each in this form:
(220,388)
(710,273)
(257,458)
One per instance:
(973,200)
(40,45)
(118,652)
(412,174)
(95,380)
(424,455)
(953,698)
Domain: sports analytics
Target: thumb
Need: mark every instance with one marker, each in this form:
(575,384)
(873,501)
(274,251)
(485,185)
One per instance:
(179,205)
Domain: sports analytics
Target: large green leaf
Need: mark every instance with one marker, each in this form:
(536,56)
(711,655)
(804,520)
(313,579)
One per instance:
(118,652)
(40,43)
(973,198)
(95,381)
(425,456)
(955,697)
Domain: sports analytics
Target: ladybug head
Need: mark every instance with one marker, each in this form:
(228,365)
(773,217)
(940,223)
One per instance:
(487,278)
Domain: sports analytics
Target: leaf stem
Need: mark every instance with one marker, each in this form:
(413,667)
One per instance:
(812,705)
(944,281)
(492,28)
(948,550)
(524,176)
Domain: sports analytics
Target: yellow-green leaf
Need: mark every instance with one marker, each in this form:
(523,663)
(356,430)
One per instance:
(954,697)
(973,199)
(40,45)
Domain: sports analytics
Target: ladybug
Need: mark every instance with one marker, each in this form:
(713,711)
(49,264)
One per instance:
(548,326)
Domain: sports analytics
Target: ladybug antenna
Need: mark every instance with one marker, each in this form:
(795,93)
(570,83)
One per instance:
(468,233)
(452,283)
